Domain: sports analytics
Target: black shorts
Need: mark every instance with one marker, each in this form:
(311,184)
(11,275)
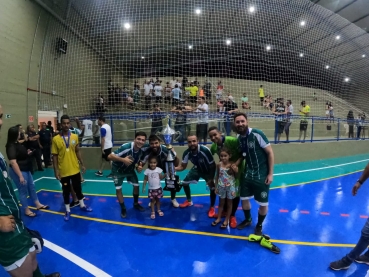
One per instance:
(202,131)
(280,127)
(261,99)
(303,125)
(107,152)
(68,180)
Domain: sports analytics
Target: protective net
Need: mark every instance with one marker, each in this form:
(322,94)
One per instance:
(127,59)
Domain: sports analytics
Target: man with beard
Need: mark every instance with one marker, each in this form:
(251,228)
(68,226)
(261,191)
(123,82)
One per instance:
(238,165)
(256,149)
(160,152)
(204,167)
(125,159)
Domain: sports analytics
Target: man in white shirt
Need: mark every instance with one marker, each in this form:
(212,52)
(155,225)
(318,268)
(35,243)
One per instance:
(106,145)
(172,83)
(148,88)
(178,83)
(176,94)
(158,90)
(87,132)
(203,118)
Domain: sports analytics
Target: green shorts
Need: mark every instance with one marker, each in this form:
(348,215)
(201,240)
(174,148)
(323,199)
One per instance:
(118,178)
(255,189)
(194,175)
(15,249)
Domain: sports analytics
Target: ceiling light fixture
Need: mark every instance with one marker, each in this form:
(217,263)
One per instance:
(252,9)
(268,48)
(338,37)
(363,56)
(190,46)
(347,79)
(127,26)
(303,23)
(327,67)
(228,42)
(301,55)
(198,11)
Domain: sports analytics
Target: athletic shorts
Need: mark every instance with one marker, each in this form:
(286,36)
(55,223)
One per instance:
(87,140)
(69,180)
(107,152)
(255,189)
(287,127)
(14,252)
(155,193)
(280,126)
(261,99)
(119,177)
(228,192)
(303,125)
(194,175)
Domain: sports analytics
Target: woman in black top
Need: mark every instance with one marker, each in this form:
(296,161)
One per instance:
(33,143)
(351,122)
(20,171)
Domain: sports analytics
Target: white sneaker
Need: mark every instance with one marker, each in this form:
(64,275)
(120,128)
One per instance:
(175,203)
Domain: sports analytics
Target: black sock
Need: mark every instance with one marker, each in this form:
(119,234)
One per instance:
(260,220)
(37,273)
(122,206)
(235,203)
(173,194)
(187,191)
(213,197)
(247,215)
(135,198)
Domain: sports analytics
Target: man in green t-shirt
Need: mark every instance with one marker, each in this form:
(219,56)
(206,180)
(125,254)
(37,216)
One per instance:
(230,143)
(256,150)
(17,252)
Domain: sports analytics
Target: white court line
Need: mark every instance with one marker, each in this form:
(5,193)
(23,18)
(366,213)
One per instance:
(16,190)
(76,260)
(102,181)
(319,168)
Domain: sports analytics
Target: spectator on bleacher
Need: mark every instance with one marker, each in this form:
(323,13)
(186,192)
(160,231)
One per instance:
(178,83)
(220,106)
(280,112)
(289,111)
(158,89)
(176,95)
(167,94)
(327,110)
(267,100)
(148,88)
(245,102)
(136,97)
(181,122)
(351,122)
(202,120)
(99,104)
(22,134)
(125,95)
(193,93)
(157,117)
(172,82)
(219,92)
(110,93)
(261,95)
(196,83)
(230,108)
(184,81)
(304,113)
(207,91)
(331,114)
(117,95)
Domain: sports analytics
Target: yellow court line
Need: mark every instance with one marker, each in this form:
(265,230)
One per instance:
(190,232)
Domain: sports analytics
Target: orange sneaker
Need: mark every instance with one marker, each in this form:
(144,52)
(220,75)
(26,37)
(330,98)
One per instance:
(211,212)
(186,204)
(233,222)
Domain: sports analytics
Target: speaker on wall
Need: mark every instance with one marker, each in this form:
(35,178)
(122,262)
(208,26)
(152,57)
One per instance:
(61,45)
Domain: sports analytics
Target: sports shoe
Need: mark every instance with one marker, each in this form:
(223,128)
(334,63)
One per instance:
(74,204)
(186,204)
(258,230)
(66,216)
(211,212)
(344,263)
(123,213)
(138,207)
(86,209)
(175,203)
(267,244)
(233,222)
(82,181)
(110,176)
(362,260)
(98,173)
(55,274)
(244,224)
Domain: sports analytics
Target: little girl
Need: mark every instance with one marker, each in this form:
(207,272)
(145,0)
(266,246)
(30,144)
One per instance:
(153,175)
(225,186)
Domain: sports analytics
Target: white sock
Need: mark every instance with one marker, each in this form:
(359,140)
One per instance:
(81,203)
(67,208)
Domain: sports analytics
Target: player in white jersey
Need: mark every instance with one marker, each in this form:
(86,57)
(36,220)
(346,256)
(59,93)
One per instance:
(87,132)
(106,145)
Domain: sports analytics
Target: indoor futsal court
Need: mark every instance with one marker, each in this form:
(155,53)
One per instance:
(313,219)
(103,76)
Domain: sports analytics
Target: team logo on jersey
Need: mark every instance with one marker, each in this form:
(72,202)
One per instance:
(5,174)
(263,195)
(73,142)
(251,144)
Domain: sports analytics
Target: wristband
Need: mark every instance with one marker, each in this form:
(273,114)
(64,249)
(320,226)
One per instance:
(358,181)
